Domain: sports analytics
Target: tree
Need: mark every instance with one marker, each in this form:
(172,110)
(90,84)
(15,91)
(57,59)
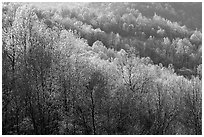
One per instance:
(59,78)
(196,37)
(199,70)
(190,115)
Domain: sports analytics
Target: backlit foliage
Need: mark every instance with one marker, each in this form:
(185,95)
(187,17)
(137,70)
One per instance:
(81,69)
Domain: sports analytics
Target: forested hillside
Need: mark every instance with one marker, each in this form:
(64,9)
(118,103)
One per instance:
(102,68)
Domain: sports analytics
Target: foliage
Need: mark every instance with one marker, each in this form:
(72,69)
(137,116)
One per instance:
(84,70)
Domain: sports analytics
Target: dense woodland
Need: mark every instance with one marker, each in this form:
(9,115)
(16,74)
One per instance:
(102,68)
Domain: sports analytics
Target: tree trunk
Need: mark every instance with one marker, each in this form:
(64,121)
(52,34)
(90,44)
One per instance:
(93,113)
